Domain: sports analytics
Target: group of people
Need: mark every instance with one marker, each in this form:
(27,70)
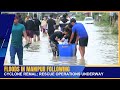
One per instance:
(71,32)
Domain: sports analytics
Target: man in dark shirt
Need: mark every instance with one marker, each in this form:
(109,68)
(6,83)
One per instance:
(51,24)
(54,38)
(29,25)
(64,19)
(21,21)
(36,29)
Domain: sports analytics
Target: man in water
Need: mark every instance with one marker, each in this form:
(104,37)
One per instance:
(29,25)
(55,38)
(21,21)
(69,27)
(51,25)
(16,42)
(36,29)
(82,36)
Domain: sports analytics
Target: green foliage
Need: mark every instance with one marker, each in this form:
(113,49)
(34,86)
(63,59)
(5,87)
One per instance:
(95,15)
(105,18)
(114,29)
(105,22)
(80,16)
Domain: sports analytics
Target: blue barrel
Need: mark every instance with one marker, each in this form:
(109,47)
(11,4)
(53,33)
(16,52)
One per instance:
(66,50)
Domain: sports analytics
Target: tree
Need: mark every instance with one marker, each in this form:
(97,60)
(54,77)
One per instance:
(95,16)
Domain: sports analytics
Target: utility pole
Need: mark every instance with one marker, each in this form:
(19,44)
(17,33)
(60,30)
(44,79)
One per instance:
(28,14)
(33,14)
(91,14)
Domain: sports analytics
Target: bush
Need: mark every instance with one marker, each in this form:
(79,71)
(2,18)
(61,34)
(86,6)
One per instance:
(114,29)
(80,17)
(105,18)
(105,22)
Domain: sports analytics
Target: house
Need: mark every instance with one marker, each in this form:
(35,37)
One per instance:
(88,14)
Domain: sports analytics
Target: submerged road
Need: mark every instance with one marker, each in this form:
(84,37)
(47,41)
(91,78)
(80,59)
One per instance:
(102,49)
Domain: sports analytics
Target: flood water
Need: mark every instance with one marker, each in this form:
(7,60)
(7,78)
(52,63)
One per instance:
(102,49)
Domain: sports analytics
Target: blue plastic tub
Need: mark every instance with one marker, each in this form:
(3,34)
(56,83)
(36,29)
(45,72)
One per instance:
(66,50)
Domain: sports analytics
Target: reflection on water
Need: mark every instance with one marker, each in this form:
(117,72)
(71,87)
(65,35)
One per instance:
(67,61)
(102,49)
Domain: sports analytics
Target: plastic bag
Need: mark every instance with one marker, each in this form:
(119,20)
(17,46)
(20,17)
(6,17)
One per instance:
(65,41)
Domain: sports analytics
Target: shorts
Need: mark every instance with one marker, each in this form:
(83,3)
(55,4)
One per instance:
(83,41)
(29,33)
(36,33)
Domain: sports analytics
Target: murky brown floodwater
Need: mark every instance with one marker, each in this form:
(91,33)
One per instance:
(102,49)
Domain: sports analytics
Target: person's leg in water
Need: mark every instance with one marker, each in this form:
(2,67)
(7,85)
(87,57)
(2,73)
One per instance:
(20,55)
(31,36)
(54,53)
(53,48)
(34,38)
(38,38)
(82,44)
(82,51)
(48,37)
(75,57)
(38,35)
(28,38)
(57,49)
(43,32)
(12,54)
(30,41)
(75,52)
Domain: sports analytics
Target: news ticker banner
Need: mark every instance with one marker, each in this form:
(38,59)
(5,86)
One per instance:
(60,72)
(6,22)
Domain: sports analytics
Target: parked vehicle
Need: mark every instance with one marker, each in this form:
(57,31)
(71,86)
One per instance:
(89,20)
